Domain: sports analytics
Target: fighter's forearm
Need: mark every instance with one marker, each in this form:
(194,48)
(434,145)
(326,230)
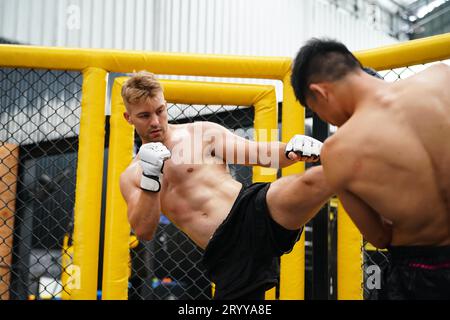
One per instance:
(282,159)
(272,154)
(143,214)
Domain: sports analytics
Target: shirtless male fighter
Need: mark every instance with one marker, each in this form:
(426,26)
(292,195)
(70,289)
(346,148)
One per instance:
(181,170)
(388,162)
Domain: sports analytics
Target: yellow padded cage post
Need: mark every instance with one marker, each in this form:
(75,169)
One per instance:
(66,266)
(292,275)
(265,124)
(262,98)
(117,229)
(88,192)
(349,258)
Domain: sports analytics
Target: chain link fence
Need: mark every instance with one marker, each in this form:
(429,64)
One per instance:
(39,117)
(372,256)
(169,267)
(39,125)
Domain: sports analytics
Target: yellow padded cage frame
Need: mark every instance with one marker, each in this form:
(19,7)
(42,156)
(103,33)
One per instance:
(94,65)
(117,229)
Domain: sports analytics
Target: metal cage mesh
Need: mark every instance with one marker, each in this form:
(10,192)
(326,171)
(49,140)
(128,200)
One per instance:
(169,266)
(39,116)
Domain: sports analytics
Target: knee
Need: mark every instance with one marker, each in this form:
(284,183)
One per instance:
(314,178)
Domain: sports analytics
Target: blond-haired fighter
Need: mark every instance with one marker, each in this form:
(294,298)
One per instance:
(181,170)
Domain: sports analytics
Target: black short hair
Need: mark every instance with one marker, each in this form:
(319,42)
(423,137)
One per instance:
(320,60)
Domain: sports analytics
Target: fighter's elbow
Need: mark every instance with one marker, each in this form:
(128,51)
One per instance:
(380,244)
(142,231)
(314,179)
(144,236)
(382,241)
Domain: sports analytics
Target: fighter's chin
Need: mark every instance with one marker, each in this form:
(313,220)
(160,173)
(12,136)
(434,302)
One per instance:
(151,139)
(336,123)
(155,138)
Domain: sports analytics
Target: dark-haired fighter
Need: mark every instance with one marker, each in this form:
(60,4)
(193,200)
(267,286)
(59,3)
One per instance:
(389,161)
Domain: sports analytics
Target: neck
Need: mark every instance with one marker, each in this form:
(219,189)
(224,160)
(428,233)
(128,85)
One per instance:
(363,87)
(167,136)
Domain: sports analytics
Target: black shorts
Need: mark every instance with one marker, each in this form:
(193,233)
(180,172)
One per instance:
(417,273)
(243,254)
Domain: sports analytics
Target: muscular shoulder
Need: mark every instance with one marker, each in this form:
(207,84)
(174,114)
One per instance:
(435,75)
(208,125)
(338,156)
(211,130)
(200,126)
(128,176)
(440,68)
(441,76)
(338,146)
(132,167)
(348,137)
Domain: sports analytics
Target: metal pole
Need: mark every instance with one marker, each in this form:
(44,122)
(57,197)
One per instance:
(320,285)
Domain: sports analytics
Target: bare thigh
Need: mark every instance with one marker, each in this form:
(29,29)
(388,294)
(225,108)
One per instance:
(294,200)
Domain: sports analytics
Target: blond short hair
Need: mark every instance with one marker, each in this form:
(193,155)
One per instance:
(140,87)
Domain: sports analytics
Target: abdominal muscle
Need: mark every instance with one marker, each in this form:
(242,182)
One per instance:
(199,201)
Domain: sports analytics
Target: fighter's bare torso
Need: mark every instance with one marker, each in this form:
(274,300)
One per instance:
(401,166)
(197,191)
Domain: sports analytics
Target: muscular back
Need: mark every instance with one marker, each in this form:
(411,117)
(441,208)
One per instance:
(400,167)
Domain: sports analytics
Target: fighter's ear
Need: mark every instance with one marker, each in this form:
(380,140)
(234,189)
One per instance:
(318,90)
(126,115)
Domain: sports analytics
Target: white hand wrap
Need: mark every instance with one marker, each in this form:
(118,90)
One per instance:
(151,158)
(304,146)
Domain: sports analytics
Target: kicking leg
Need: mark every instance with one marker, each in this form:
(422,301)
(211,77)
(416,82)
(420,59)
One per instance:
(295,199)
